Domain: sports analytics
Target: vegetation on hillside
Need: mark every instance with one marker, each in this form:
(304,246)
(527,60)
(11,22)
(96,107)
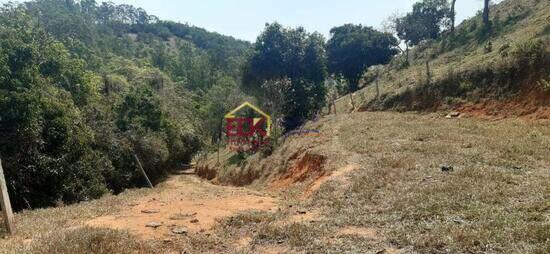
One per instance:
(85,86)
(506,60)
(443,69)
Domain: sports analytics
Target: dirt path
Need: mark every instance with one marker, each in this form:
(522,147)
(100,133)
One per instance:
(183,202)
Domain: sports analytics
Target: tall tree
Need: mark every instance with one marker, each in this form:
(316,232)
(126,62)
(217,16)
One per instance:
(486,12)
(424,22)
(353,48)
(390,26)
(284,53)
(453,15)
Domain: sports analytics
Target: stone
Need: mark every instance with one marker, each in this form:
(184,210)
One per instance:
(179,231)
(458,220)
(153,224)
(453,115)
(150,211)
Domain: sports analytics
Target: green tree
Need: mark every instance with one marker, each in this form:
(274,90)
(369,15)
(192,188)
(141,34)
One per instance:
(425,21)
(284,53)
(46,147)
(84,87)
(353,48)
(452,15)
(486,20)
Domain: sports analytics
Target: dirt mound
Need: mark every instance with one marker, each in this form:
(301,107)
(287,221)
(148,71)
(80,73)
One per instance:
(309,166)
(533,104)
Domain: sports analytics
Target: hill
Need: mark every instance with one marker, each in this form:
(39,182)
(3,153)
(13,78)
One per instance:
(500,72)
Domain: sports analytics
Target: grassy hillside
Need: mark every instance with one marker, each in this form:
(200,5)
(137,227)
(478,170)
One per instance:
(507,64)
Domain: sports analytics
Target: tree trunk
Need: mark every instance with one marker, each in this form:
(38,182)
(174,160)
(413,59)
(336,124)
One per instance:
(453,16)
(486,13)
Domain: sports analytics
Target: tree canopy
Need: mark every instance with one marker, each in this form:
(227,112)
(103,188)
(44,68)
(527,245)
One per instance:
(285,53)
(426,21)
(353,48)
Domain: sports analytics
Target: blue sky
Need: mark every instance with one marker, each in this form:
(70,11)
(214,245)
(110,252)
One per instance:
(245,19)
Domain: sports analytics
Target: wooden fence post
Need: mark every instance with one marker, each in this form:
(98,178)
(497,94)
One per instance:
(352,102)
(428,74)
(5,205)
(143,171)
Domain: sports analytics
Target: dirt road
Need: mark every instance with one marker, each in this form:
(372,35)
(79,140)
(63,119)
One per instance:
(184,203)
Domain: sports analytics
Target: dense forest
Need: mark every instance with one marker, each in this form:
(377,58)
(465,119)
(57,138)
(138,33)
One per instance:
(84,87)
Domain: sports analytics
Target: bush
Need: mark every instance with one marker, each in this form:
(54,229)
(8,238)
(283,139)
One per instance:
(47,149)
(544,84)
(530,54)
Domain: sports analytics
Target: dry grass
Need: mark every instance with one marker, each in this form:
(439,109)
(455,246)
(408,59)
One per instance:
(65,230)
(497,199)
(59,230)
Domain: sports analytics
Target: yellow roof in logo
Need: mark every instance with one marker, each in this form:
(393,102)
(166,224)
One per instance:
(259,111)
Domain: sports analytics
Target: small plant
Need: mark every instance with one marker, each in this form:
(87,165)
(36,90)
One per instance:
(503,50)
(267,149)
(488,48)
(544,84)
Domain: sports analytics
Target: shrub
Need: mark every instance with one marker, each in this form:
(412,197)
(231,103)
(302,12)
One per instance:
(544,84)
(47,153)
(488,48)
(530,53)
